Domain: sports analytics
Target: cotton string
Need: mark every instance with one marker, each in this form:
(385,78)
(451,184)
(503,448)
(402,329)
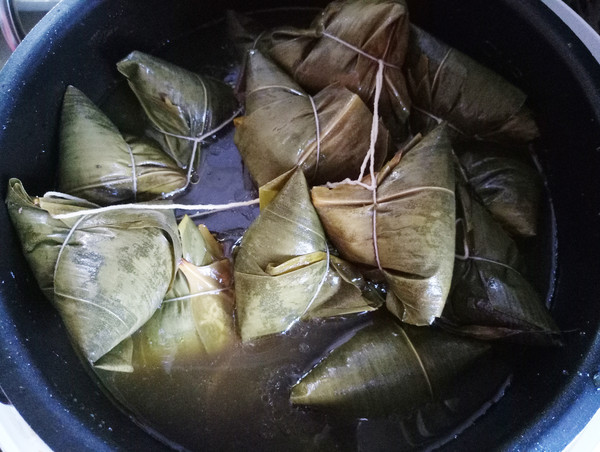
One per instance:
(318,132)
(197,294)
(370,160)
(133,173)
(196,141)
(205,135)
(359,51)
(371,153)
(467,254)
(57,194)
(149,206)
(64,245)
(370,157)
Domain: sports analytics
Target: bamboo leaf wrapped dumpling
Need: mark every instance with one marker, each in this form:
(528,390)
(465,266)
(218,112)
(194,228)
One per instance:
(344,45)
(105,273)
(98,164)
(327,135)
(178,103)
(505,182)
(196,315)
(284,272)
(445,84)
(490,298)
(386,368)
(408,231)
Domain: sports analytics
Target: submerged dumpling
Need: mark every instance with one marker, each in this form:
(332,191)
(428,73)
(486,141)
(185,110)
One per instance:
(490,298)
(387,368)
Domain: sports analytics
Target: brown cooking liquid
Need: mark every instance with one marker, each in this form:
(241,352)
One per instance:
(239,400)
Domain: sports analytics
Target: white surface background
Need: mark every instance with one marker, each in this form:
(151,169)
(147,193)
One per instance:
(16,435)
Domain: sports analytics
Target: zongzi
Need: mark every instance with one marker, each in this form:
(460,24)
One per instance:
(506,183)
(196,315)
(106,273)
(490,298)
(386,368)
(405,227)
(98,164)
(327,135)
(349,43)
(181,106)
(284,271)
(477,103)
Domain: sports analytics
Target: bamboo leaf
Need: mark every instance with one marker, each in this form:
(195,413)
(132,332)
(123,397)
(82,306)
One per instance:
(177,101)
(195,320)
(446,84)
(387,369)
(106,274)
(97,163)
(343,45)
(413,229)
(506,183)
(268,191)
(283,269)
(490,299)
(196,316)
(328,141)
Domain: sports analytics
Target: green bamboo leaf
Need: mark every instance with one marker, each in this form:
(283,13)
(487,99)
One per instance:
(344,292)
(105,273)
(413,230)
(194,246)
(490,298)
(196,315)
(119,359)
(178,102)
(425,428)
(243,31)
(195,320)
(283,270)
(446,84)
(505,182)
(97,163)
(329,142)
(370,30)
(387,369)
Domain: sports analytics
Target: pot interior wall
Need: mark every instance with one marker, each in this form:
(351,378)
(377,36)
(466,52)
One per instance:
(550,399)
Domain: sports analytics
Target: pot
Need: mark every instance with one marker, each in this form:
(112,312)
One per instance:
(552,396)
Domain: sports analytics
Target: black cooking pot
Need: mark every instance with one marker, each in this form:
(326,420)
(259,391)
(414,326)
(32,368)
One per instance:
(551,398)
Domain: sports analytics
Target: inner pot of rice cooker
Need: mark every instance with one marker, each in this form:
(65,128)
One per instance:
(552,395)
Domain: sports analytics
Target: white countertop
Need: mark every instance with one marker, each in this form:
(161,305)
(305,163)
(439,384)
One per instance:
(16,435)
